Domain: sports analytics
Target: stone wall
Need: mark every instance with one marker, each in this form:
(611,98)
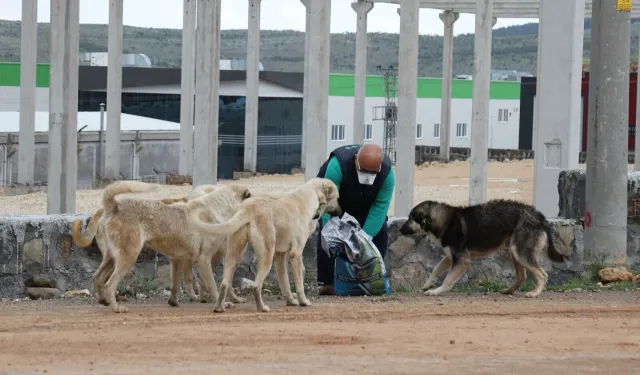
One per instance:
(431,153)
(572,185)
(37,245)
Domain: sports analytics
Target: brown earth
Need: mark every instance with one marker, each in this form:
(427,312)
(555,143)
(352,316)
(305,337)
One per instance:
(572,333)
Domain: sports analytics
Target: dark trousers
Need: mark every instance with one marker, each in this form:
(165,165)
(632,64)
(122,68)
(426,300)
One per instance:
(326,264)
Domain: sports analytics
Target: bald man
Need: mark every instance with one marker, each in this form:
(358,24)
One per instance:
(365,179)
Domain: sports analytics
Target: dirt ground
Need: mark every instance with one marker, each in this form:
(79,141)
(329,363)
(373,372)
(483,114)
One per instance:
(573,333)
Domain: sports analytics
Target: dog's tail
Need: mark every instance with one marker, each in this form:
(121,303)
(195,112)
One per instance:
(122,187)
(553,253)
(84,239)
(240,218)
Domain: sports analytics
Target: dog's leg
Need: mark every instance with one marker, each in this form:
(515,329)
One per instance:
(190,283)
(280,260)
(521,271)
(208,282)
(521,276)
(176,270)
(236,246)
(100,277)
(460,263)
(264,247)
(528,256)
(443,266)
(231,295)
(297,266)
(123,262)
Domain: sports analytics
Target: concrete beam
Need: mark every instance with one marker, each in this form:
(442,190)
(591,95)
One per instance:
(480,103)
(318,86)
(205,166)
(448,18)
(501,8)
(362,9)
(114,90)
(253,88)
(62,173)
(28,60)
(187,89)
(557,141)
(606,215)
(407,105)
(305,85)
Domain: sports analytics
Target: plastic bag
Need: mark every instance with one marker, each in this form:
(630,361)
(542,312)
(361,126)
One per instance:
(359,267)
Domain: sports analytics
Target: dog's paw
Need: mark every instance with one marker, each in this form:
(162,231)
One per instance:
(293,302)
(229,305)
(173,302)
(264,308)
(426,287)
(120,309)
(432,292)
(532,295)
(239,300)
(218,309)
(507,291)
(305,303)
(194,298)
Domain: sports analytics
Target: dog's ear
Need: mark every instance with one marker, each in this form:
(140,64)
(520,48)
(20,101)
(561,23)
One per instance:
(246,194)
(329,188)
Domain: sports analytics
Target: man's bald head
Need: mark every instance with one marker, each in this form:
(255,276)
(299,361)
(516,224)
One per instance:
(369,158)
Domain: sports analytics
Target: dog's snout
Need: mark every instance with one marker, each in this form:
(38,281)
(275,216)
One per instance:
(407,228)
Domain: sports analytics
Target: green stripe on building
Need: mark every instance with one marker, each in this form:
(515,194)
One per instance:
(10,75)
(339,84)
(428,88)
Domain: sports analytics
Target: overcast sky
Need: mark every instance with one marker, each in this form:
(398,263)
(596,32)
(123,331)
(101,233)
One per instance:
(276,15)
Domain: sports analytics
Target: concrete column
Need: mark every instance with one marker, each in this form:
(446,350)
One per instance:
(305,90)
(253,88)
(636,165)
(62,173)
(362,9)
(557,141)
(407,105)
(480,102)
(606,236)
(28,59)
(205,165)
(318,86)
(114,90)
(448,18)
(187,89)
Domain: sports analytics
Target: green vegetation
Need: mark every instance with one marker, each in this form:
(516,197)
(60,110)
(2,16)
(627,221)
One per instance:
(137,285)
(588,282)
(514,47)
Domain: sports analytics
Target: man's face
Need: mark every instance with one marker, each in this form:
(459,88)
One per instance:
(366,176)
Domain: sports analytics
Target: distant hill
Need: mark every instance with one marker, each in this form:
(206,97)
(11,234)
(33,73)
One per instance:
(514,47)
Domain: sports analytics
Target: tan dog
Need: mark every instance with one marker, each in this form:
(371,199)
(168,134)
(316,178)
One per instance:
(84,239)
(130,223)
(276,228)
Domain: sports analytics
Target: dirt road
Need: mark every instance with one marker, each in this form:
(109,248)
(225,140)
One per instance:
(577,333)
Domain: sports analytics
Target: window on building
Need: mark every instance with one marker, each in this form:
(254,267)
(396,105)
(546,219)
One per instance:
(418,131)
(368,132)
(503,115)
(436,130)
(337,132)
(461,129)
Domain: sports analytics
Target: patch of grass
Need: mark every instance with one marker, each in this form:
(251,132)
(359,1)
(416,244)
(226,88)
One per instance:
(402,288)
(139,284)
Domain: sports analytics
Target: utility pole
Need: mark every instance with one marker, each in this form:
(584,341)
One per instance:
(389,113)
